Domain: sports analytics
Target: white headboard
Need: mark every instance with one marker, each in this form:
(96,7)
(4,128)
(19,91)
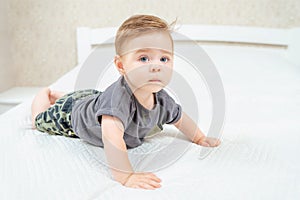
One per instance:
(285,38)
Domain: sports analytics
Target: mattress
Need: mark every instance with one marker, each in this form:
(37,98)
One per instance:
(256,160)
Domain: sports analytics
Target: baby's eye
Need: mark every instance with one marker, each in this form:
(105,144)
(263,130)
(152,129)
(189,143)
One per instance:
(164,59)
(144,59)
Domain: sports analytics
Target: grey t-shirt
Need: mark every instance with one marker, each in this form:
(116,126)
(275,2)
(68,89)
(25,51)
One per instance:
(118,101)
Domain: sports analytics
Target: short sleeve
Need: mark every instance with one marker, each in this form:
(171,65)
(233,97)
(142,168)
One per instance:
(122,116)
(173,114)
(171,111)
(114,102)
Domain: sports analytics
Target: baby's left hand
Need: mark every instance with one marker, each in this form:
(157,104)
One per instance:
(209,142)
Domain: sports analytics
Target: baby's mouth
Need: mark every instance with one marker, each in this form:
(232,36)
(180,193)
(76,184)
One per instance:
(155,81)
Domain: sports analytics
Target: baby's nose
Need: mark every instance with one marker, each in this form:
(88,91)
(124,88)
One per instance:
(155,68)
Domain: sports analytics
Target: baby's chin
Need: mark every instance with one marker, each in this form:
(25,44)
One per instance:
(153,88)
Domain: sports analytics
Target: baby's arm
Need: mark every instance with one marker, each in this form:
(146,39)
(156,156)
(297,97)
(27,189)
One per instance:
(187,126)
(117,157)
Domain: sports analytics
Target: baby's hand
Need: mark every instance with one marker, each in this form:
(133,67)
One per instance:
(208,142)
(143,180)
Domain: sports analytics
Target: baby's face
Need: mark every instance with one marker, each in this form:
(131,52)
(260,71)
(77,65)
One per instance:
(148,61)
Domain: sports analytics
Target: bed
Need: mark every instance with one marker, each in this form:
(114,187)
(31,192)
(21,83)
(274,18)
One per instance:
(260,73)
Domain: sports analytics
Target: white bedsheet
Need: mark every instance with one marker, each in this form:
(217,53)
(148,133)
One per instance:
(258,157)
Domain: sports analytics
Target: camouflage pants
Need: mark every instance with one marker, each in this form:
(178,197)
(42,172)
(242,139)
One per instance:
(56,120)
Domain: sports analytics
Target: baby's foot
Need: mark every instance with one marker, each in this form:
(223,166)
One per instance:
(54,95)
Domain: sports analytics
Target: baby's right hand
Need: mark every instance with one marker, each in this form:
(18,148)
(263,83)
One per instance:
(147,181)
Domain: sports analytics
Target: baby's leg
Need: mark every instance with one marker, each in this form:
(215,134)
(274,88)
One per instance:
(42,101)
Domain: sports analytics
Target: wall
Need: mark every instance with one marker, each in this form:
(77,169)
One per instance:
(6,71)
(43,32)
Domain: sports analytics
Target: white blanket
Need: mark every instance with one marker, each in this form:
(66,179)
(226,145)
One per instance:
(258,157)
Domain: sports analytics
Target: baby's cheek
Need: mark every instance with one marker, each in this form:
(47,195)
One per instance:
(138,76)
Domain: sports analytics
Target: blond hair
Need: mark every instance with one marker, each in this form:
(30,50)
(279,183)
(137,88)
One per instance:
(137,25)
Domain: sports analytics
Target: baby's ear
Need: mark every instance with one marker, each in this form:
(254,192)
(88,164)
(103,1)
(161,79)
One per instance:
(119,64)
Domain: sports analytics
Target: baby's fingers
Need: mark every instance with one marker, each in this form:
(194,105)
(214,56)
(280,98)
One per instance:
(153,177)
(154,184)
(204,143)
(150,181)
(146,186)
(144,181)
(214,142)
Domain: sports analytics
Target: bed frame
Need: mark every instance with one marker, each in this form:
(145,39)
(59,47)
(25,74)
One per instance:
(287,39)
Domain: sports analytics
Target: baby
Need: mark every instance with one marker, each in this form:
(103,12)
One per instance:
(128,110)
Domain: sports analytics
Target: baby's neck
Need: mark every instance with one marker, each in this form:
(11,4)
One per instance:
(145,99)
